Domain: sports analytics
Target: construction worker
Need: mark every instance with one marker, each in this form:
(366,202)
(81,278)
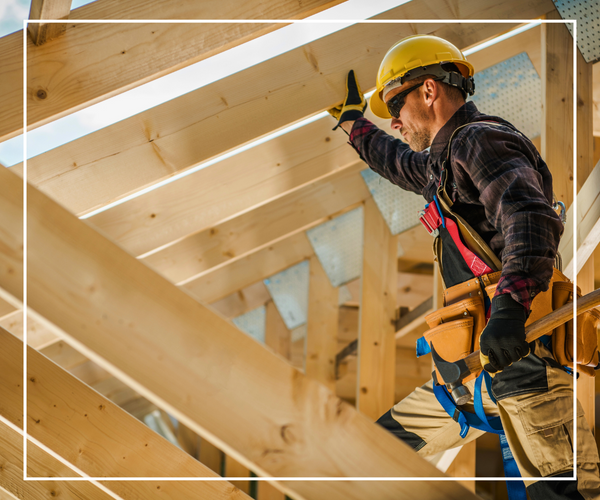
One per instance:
(480,174)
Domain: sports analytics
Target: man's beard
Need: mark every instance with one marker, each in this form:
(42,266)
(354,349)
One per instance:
(420,140)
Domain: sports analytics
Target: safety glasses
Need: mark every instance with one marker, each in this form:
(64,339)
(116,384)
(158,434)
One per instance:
(396,103)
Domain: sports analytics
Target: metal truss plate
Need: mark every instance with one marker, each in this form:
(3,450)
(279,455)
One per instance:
(289,290)
(399,208)
(587,13)
(253,323)
(512,90)
(338,246)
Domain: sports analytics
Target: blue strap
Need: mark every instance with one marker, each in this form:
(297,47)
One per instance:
(422,347)
(437,204)
(480,421)
(516,489)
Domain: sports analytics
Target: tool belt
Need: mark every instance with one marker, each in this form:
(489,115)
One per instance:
(470,272)
(456,327)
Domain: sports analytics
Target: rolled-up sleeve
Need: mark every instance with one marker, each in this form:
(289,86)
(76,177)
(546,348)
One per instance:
(389,157)
(517,203)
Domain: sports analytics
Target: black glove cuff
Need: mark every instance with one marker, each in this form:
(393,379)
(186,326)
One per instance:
(350,115)
(507,307)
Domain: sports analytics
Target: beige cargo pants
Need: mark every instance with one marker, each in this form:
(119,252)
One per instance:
(537,416)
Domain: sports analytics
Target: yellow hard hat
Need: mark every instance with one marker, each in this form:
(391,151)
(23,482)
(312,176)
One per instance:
(418,55)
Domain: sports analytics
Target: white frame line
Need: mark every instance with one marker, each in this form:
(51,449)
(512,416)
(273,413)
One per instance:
(280,21)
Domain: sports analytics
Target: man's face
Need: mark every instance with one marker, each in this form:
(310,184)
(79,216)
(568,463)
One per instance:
(414,120)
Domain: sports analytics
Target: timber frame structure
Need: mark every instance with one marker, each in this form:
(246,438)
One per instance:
(129,311)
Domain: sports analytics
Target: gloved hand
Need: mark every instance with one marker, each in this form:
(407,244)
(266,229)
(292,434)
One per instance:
(354,105)
(502,341)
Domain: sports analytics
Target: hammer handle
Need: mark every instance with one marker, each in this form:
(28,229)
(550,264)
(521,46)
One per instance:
(546,324)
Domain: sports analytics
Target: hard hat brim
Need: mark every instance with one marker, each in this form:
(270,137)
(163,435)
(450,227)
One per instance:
(378,107)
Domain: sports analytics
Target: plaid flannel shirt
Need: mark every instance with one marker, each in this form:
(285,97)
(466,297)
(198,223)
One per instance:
(497,181)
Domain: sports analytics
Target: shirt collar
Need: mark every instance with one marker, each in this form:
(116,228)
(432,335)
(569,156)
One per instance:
(464,114)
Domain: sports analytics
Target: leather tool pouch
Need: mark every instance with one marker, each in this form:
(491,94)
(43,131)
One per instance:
(454,330)
(587,324)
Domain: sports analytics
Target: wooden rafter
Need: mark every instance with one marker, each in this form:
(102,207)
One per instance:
(222,191)
(179,354)
(302,82)
(41,464)
(47,9)
(92,62)
(303,208)
(71,419)
(258,265)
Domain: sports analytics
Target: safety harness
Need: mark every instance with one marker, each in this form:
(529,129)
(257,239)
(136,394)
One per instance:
(462,255)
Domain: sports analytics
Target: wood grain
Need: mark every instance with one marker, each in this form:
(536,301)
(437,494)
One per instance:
(197,366)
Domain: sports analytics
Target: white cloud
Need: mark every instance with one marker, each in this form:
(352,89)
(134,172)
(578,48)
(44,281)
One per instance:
(12,13)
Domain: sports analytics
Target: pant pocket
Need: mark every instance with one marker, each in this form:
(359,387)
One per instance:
(547,422)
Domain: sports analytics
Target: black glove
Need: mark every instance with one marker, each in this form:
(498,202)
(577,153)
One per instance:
(353,106)
(502,341)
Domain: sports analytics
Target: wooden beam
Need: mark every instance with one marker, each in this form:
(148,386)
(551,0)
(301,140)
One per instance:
(586,386)
(40,464)
(557,105)
(205,372)
(588,227)
(256,266)
(47,9)
(376,344)
(231,187)
(193,256)
(153,145)
(322,326)
(596,99)
(528,41)
(93,434)
(6,308)
(277,336)
(113,58)
(242,301)
(38,335)
(585,121)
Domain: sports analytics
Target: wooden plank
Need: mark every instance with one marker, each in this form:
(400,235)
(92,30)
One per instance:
(47,9)
(38,335)
(256,266)
(464,465)
(39,463)
(588,227)
(205,372)
(63,355)
(264,226)
(6,308)
(235,469)
(226,189)
(211,456)
(95,435)
(277,336)
(322,325)
(112,58)
(528,41)
(585,121)
(174,136)
(557,106)
(376,345)
(596,98)
(586,386)
(242,301)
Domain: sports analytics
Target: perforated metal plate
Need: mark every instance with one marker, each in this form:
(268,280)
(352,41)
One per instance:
(512,90)
(289,290)
(338,246)
(398,207)
(253,323)
(587,13)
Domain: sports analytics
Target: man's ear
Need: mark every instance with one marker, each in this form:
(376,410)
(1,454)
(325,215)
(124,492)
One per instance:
(431,91)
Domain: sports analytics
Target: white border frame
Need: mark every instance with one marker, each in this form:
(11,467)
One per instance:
(85,477)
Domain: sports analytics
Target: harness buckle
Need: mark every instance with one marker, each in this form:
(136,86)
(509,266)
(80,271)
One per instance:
(456,415)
